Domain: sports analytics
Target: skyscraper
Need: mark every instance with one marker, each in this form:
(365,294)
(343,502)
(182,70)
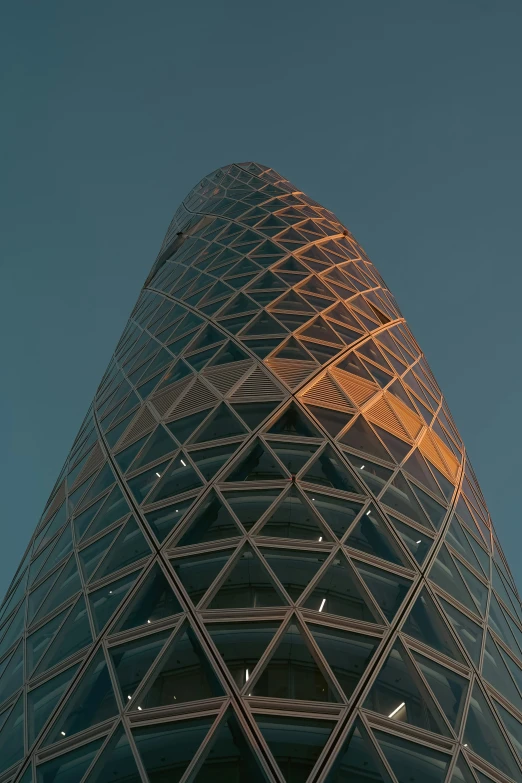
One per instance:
(267,557)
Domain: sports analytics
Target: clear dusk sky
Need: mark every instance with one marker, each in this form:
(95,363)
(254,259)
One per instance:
(402,117)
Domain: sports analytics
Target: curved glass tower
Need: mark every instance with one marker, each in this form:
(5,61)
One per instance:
(267,557)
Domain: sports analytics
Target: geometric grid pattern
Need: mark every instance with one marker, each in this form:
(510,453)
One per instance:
(267,557)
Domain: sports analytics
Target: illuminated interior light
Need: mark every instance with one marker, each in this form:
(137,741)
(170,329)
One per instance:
(148,622)
(247,675)
(368,512)
(129,697)
(362,466)
(183,463)
(320,538)
(139,709)
(158,475)
(396,710)
(62,733)
(322,604)
(419,541)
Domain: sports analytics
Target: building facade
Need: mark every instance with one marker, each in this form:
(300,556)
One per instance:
(267,557)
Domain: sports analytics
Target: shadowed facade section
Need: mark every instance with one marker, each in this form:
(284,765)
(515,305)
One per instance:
(267,557)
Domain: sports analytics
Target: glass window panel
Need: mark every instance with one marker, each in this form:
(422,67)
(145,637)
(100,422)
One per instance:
(106,600)
(74,635)
(484,737)
(42,700)
(129,547)
(371,535)
(339,513)
(158,445)
(328,471)
(413,763)
(12,736)
(38,641)
(115,507)
(449,688)
(445,574)
(358,762)
(294,569)
(212,522)
(468,632)
(293,673)
(496,672)
(165,519)
(339,592)
(66,586)
(247,584)
(230,757)
(254,413)
(388,590)
(141,485)
(69,766)
(131,661)
(116,763)
(293,518)
(11,673)
(183,428)
(154,600)
(249,506)
(241,645)
(293,421)
(399,496)
(167,749)
(425,624)
(417,542)
(258,465)
(184,674)
(91,556)
(92,701)
(179,477)
(295,743)
(512,726)
(221,424)
(348,654)
(209,461)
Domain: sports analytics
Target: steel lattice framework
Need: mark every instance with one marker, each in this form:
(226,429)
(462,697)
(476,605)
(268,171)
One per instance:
(267,557)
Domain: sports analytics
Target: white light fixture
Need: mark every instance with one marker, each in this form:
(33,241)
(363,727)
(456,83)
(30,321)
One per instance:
(183,463)
(129,697)
(247,675)
(157,474)
(362,466)
(320,538)
(139,709)
(322,604)
(62,733)
(148,621)
(419,541)
(368,512)
(395,711)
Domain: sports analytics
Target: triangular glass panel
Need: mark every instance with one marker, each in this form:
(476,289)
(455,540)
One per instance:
(92,701)
(105,601)
(397,448)
(37,642)
(249,506)
(74,635)
(329,471)
(247,584)
(295,743)
(212,522)
(374,476)
(348,654)
(293,518)
(388,590)
(478,589)
(371,535)
(11,673)
(258,465)
(294,303)
(495,671)
(292,350)
(61,548)
(253,413)
(131,661)
(154,600)
(462,772)
(210,460)
(12,735)
(116,763)
(448,687)
(292,672)
(340,593)
(411,761)
(41,701)
(293,421)
(456,538)
(264,324)
(241,645)
(65,587)
(417,543)
(294,569)
(400,497)
(141,485)
(158,445)
(358,761)
(70,766)
(512,726)
(469,633)
(434,510)
(179,742)
(333,421)
(416,465)
(483,736)
(339,513)
(114,508)
(294,455)
(197,573)
(398,693)
(129,547)
(178,478)
(221,424)
(183,428)
(445,574)
(425,624)
(184,674)
(361,437)
(230,757)
(165,519)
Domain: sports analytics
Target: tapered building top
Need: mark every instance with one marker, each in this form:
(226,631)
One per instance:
(267,557)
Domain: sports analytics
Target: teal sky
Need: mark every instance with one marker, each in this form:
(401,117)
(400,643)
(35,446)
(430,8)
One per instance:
(402,117)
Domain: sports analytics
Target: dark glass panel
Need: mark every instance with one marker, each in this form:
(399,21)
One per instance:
(253,413)
(158,445)
(74,635)
(400,497)
(418,543)
(167,749)
(211,460)
(339,592)
(388,590)
(42,700)
(241,645)
(293,518)
(141,485)
(294,569)
(258,465)
(483,736)
(114,508)
(221,424)
(179,477)
(425,624)
(398,694)
(328,471)
(116,763)
(294,456)
(183,428)
(445,574)
(154,600)
(165,519)
(249,506)
(198,572)
(230,758)
(371,535)
(105,601)
(361,437)
(468,632)
(212,522)
(129,547)
(413,763)
(373,475)
(295,743)
(449,688)
(358,762)
(247,584)
(293,421)
(293,673)
(184,674)
(12,736)
(69,766)
(337,512)
(131,661)
(348,654)
(91,701)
